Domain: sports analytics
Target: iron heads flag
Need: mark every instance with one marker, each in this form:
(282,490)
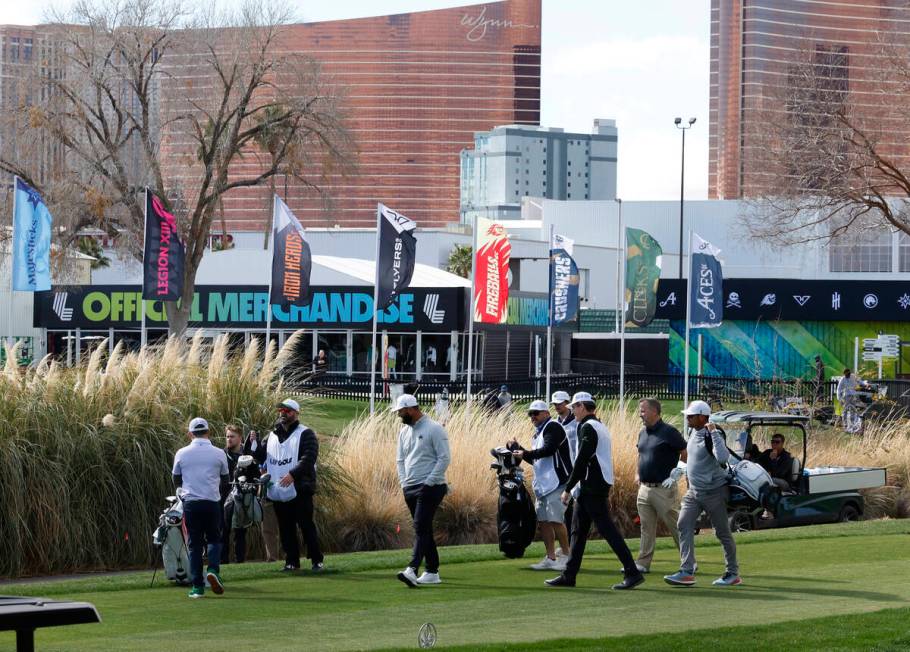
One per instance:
(491,272)
(643,260)
(563,281)
(397,255)
(291,259)
(164,255)
(706,291)
(31,240)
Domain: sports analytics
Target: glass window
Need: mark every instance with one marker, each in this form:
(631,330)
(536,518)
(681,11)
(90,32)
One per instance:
(401,355)
(362,347)
(868,251)
(904,252)
(27,49)
(14,48)
(435,354)
(335,346)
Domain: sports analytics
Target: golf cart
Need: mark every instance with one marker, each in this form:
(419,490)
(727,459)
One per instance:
(826,494)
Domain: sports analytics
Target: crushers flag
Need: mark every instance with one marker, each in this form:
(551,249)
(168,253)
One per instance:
(563,281)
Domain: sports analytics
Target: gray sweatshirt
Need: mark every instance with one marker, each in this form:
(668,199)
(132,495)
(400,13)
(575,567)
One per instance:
(423,453)
(702,468)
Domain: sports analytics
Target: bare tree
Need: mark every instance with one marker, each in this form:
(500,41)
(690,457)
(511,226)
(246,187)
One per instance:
(150,95)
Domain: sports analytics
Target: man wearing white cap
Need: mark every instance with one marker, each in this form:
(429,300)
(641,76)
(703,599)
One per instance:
(422,458)
(706,469)
(593,473)
(552,465)
(560,400)
(199,470)
(289,455)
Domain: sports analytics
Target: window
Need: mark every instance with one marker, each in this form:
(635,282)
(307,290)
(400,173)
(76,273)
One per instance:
(570,184)
(861,252)
(14,48)
(903,250)
(27,49)
(570,162)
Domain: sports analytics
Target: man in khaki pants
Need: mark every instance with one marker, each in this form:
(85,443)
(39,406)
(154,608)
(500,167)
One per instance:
(660,448)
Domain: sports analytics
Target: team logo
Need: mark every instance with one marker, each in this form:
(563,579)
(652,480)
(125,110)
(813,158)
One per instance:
(669,301)
(431,309)
(904,301)
(768,300)
(426,636)
(733,300)
(870,301)
(835,300)
(64,313)
(801,299)
(496,230)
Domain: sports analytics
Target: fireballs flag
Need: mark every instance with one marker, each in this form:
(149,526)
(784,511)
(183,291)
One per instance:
(643,259)
(164,256)
(291,260)
(491,272)
(31,241)
(705,285)
(563,281)
(397,255)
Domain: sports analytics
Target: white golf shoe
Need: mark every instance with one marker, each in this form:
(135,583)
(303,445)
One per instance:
(429,578)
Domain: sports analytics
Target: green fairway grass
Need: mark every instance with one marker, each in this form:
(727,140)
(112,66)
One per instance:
(853,577)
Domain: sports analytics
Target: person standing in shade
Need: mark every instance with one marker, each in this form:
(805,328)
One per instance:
(422,458)
(660,449)
(504,398)
(593,473)
(391,354)
(706,469)
(233,450)
(289,453)
(199,471)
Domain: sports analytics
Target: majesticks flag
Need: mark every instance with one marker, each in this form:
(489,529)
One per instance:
(397,255)
(706,281)
(291,259)
(164,256)
(31,241)
(643,260)
(563,281)
(491,273)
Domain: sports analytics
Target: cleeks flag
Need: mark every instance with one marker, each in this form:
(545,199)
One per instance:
(397,255)
(706,281)
(643,260)
(291,260)
(164,255)
(31,241)
(491,273)
(563,281)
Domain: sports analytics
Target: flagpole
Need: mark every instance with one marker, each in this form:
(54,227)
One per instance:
(268,297)
(550,319)
(471,311)
(143,334)
(688,319)
(622,312)
(373,357)
(12,254)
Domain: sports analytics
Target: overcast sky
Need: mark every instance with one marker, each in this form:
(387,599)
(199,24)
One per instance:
(642,63)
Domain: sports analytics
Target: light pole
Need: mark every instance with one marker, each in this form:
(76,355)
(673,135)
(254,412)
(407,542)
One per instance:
(682,185)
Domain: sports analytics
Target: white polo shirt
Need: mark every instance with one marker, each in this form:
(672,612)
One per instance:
(201,466)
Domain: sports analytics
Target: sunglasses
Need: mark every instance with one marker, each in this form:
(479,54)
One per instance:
(533,413)
(777,441)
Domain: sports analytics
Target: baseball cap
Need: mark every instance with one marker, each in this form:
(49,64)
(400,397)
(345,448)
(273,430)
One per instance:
(538,406)
(404,401)
(504,388)
(698,407)
(560,397)
(290,404)
(199,425)
(581,397)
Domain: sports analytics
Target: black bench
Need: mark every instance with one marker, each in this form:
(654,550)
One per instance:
(25,615)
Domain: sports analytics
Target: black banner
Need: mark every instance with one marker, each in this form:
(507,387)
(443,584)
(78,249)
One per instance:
(797,300)
(164,256)
(291,259)
(397,254)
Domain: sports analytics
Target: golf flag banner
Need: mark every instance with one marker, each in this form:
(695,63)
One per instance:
(397,255)
(491,273)
(643,261)
(563,282)
(31,241)
(164,256)
(291,259)
(705,285)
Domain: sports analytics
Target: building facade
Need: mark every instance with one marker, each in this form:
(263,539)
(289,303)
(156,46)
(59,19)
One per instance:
(512,161)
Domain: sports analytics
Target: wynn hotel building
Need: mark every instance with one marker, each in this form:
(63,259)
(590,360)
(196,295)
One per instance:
(753,44)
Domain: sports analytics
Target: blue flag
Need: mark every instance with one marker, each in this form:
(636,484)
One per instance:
(31,241)
(563,282)
(706,281)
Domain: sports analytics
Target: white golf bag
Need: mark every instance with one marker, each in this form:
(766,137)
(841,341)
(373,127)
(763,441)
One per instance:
(170,537)
(753,479)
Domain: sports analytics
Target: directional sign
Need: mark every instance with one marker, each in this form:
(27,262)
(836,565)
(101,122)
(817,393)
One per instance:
(871,356)
(890,345)
(870,341)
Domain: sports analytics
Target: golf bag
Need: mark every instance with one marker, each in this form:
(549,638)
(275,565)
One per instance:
(753,479)
(515,518)
(244,498)
(170,538)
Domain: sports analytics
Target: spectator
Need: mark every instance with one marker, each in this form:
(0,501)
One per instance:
(233,450)
(391,354)
(429,364)
(560,401)
(778,462)
(504,397)
(320,363)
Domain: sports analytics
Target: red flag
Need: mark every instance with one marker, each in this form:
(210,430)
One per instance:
(491,273)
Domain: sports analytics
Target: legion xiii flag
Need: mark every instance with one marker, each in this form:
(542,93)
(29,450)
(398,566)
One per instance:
(706,292)
(397,255)
(164,256)
(563,281)
(643,260)
(31,240)
(291,260)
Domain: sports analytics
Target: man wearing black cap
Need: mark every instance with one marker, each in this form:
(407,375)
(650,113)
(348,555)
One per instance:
(289,454)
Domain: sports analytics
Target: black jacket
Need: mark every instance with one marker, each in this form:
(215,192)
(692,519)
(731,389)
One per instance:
(587,468)
(555,444)
(304,472)
(781,468)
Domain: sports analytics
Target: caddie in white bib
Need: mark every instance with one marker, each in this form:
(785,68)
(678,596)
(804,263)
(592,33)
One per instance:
(281,458)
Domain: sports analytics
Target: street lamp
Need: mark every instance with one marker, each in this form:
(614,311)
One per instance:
(682,185)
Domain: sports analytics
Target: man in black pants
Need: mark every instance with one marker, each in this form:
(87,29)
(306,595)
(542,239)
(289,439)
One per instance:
(233,450)
(289,453)
(593,472)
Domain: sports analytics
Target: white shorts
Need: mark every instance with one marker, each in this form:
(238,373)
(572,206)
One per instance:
(550,508)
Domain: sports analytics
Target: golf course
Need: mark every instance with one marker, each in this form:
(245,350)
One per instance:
(832,587)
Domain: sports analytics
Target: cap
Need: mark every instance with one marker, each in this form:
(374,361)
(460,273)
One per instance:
(538,406)
(560,397)
(404,401)
(581,397)
(290,404)
(199,425)
(504,388)
(698,407)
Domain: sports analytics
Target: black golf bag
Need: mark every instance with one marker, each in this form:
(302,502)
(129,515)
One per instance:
(515,517)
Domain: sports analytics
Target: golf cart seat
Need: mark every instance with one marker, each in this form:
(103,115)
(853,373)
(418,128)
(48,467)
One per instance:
(793,477)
